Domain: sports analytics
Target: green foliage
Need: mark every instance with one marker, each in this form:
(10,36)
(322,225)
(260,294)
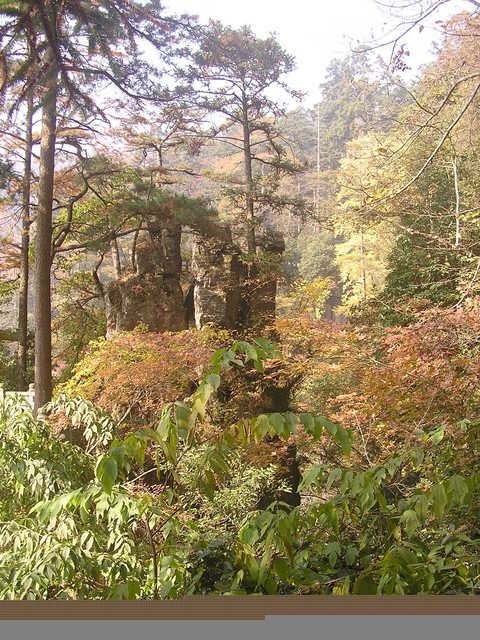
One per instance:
(99,538)
(97,426)
(399,527)
(315,285)
(34,465)
(7,290)
(8,367)
(79,524)
(344,109)
(416,272)
(80,317)
(159,497)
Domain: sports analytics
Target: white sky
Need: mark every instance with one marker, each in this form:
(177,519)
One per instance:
(315,31)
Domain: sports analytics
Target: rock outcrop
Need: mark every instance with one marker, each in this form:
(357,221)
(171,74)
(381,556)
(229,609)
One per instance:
(162,254)
(225,291)
(216,270)
(153,300)
(153,296)
(259,287)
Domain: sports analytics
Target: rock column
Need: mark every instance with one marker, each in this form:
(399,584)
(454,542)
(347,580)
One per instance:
(152,296)
(216,270)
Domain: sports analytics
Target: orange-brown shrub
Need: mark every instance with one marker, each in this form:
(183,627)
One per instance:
(386,383)
(140,372)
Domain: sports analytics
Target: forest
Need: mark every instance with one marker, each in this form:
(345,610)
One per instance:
(239,332)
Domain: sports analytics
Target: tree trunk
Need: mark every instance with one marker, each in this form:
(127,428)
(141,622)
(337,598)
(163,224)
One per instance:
(115,253)
(362,267)
(117,265)
(43,243)
(247,156)
(457,203)
(22,349)
(317,184)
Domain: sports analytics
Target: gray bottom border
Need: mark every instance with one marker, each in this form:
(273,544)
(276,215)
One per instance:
(329,627)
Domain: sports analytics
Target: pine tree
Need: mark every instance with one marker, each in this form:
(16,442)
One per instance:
(78,48)
(231,74)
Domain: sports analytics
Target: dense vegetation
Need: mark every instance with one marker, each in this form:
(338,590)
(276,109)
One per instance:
(172,509)
(331,449)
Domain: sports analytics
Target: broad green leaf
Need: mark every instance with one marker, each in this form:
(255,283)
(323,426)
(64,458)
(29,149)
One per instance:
(351,555)
(421,506)
(331,512)
(270,585)
(410,521)
(106,473)
(365,586)
(344,438)
(347,479)
(330,426)
(278,423)
(182,416)
(237,580)
(458,489)
(333,476)
(291,421)
(282,569)
(437,436)
(310,476)
(308,422)
(261,426)
(306,577)
(266,345)
(342,588)
(213,379)
(252,567)
(440,500)
(266,558)
(248,534)
(248,349)
(313,425)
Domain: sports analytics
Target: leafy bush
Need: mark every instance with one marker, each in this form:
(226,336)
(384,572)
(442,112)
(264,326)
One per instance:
(83,525)
(385,382)
(139,372)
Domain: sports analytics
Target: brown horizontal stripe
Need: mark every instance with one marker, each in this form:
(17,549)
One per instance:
(239,607)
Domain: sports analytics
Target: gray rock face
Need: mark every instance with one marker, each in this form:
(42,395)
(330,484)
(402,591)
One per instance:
(226,292)
(153,296)
(216,270)
(150,299)
(160,251)
(259,289)
(165,235)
